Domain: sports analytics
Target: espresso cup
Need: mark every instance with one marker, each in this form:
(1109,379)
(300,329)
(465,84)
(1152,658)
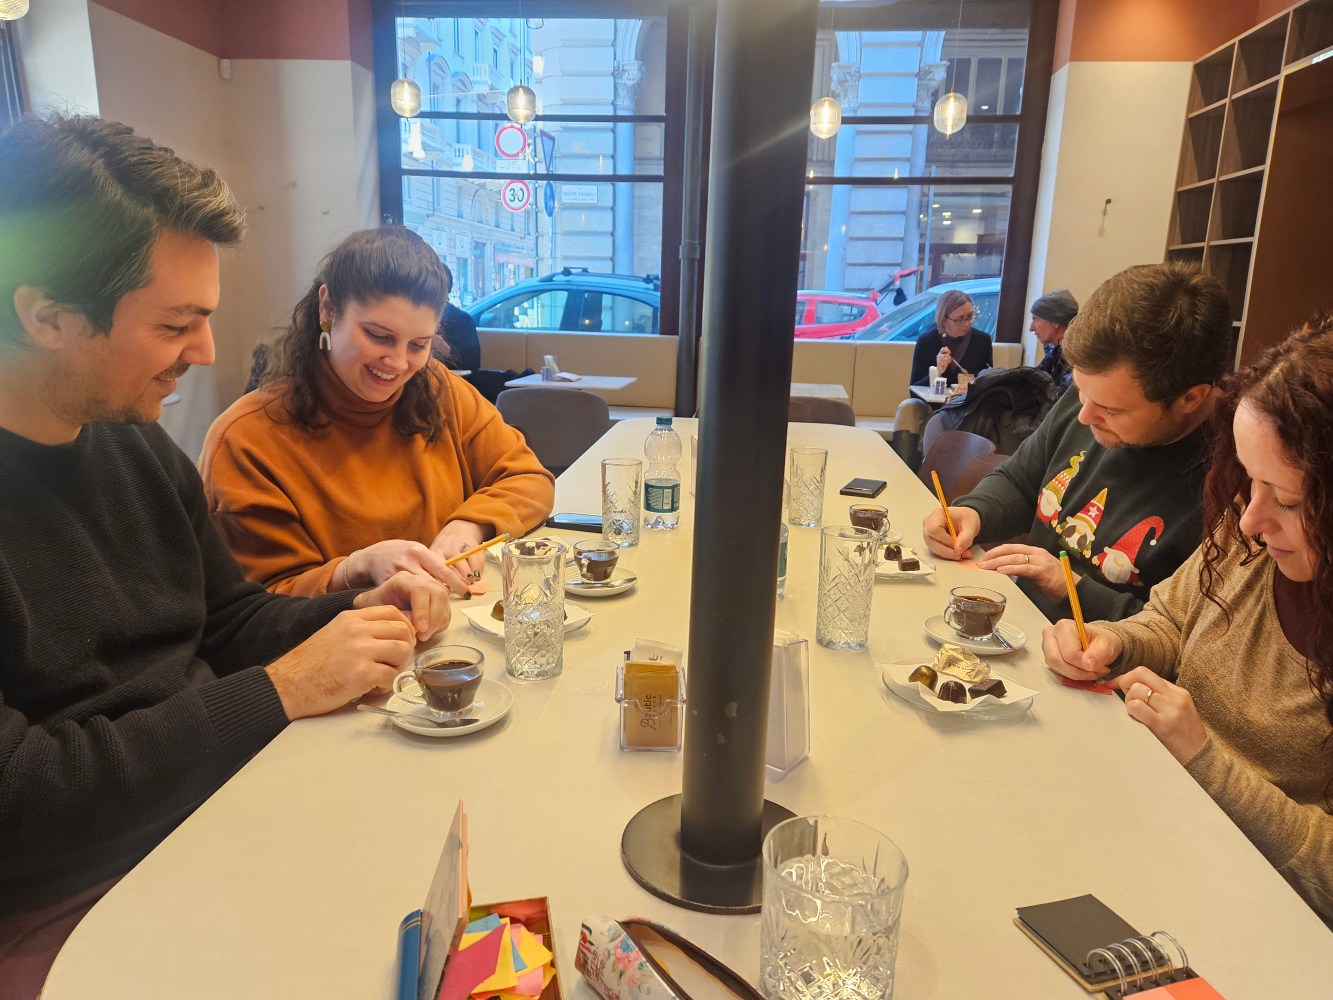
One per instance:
(447,678)
(596,560)
(870,515)
(974,612)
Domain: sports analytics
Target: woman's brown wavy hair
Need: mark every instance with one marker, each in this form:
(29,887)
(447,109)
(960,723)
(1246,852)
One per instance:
(369,265)
(1291,386)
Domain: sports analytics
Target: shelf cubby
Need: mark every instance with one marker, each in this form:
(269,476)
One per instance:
(1186,255)
(1311,30)
(1247,130)
(1201,146)
(1212,74)
(1235,210)
(1189,221)
(1230,264)
(1259,54)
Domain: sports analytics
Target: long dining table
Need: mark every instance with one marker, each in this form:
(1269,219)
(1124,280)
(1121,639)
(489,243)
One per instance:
(291,880)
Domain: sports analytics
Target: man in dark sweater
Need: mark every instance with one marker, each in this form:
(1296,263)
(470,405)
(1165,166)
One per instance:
(1114,474)
(138,668)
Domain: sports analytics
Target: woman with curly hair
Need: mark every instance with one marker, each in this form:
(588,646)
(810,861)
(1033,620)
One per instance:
(359,455)
(1230,664)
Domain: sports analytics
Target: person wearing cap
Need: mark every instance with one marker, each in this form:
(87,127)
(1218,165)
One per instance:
(1051,316)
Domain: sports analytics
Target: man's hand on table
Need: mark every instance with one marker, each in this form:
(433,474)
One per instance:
(966,521)
(1028,562)
(357,653)
(420,599)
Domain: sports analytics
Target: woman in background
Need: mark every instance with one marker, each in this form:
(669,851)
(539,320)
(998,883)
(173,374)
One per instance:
(954,347)
(359,455)
(1230,664)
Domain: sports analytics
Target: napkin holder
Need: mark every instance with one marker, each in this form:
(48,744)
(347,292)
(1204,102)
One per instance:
(650,689)
(788,705)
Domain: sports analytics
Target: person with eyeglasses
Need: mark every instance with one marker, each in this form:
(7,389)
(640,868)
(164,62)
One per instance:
(955,347)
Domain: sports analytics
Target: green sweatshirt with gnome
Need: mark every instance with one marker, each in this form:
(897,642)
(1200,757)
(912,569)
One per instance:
(1128,517)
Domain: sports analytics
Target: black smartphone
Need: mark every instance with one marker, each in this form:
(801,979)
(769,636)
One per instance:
(575,522)
(863,488)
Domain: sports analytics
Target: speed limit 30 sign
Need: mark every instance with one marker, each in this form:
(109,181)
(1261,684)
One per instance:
(516,195)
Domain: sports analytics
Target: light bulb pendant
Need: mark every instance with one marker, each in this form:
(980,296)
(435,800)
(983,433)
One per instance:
(825,118)
(12,10)
(951,113)
(521,104)
(405,97)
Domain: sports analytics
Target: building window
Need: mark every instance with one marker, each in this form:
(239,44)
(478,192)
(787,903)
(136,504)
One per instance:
(893,207)
(579,189)
(11,89)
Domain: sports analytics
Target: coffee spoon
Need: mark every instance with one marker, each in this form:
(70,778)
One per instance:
(412,717)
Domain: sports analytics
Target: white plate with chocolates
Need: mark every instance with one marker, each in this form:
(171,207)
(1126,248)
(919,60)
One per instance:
(941,631)
(489,618)
(901,562)
(957,683)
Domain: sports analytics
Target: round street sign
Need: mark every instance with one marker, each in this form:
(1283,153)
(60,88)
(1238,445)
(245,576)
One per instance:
(511,141)
(516,195)
(548,199)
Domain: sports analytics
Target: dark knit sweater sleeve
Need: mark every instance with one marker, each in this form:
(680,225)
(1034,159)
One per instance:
(923,356)
(132,684)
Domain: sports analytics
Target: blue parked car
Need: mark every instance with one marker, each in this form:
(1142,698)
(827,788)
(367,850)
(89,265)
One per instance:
(576,300)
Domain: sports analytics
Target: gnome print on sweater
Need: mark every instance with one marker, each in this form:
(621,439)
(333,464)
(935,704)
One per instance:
(1078,532)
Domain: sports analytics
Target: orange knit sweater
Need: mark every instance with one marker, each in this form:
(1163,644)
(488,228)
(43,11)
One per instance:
(292,503)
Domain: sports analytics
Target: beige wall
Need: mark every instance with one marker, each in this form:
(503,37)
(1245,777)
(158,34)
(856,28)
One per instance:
(295,138)
(1113,131)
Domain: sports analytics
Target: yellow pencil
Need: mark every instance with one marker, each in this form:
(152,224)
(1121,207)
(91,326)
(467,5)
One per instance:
(472,552)
(1073,599)
(944,505)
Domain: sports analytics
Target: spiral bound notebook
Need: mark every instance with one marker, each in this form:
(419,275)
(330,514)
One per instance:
(1105,954)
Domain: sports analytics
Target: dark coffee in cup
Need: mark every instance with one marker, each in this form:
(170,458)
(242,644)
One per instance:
(596,561)
(872,516)
(447,679)
(974,612)
(450,686)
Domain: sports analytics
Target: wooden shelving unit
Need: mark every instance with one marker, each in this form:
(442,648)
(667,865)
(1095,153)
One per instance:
(1264,97)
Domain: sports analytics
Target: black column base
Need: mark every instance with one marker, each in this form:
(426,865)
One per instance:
(650,850)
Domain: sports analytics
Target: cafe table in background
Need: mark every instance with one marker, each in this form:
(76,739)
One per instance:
(291,880)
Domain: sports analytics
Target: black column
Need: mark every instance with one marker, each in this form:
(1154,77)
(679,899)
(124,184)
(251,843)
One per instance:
(762,80)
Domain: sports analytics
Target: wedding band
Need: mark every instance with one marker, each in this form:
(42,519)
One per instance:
(1027,559)
(1151,692)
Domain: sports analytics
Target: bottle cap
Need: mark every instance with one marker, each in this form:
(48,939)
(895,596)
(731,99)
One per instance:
(663,421)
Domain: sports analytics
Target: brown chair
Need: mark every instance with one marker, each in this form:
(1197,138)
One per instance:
(818,410)
(977,470)
(559,424)
(950,455)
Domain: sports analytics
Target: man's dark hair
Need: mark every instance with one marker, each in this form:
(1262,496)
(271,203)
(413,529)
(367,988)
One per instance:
(82,203)
(1170,323)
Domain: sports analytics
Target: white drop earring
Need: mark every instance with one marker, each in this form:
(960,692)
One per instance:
(325,342)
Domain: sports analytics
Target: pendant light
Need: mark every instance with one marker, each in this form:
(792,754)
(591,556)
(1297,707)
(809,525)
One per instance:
(951,109)
(521,104)
(12,10)
(404,94)
(826,113)
(825,118)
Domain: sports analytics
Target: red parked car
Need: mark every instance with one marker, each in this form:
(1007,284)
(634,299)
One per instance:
(827,315)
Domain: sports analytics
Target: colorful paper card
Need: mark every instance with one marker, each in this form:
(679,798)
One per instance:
(473,965)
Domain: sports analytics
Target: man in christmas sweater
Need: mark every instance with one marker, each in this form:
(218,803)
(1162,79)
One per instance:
(1114,474)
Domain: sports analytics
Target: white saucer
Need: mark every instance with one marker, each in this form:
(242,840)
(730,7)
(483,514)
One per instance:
(1017,699)
(479,617)
(939,630)
(887,569)
(620,582)
(492,704)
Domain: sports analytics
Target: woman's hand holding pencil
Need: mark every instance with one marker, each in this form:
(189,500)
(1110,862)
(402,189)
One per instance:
(1065,654)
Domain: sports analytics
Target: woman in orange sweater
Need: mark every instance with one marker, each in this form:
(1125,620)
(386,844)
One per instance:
(359,456)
